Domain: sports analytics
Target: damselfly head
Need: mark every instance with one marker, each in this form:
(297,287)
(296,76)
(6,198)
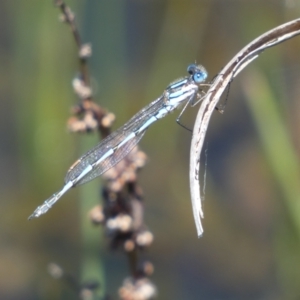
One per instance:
(198,72)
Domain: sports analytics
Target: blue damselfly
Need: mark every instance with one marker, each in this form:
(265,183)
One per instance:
(117,145)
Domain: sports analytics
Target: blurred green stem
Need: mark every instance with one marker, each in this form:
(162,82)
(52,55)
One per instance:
(284,165)
(277,145)
(99,15)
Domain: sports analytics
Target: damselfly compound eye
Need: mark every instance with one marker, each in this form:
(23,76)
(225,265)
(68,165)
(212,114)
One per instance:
(199,76)
(191,69)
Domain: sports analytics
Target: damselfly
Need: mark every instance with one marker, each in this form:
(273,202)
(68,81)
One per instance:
(117,145)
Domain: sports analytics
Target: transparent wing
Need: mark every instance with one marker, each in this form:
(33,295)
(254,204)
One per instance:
(112,141)
(109,162)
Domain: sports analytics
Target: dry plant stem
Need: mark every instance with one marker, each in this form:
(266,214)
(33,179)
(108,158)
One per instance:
(133,262)
(69,18)
(88,105)
(226,75)
(87,102)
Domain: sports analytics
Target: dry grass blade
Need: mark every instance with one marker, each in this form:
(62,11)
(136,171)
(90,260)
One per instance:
(238,63)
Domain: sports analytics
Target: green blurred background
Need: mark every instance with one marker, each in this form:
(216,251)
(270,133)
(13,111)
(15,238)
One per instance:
(251,244)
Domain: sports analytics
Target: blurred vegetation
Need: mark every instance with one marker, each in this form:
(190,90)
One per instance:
(250,248)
